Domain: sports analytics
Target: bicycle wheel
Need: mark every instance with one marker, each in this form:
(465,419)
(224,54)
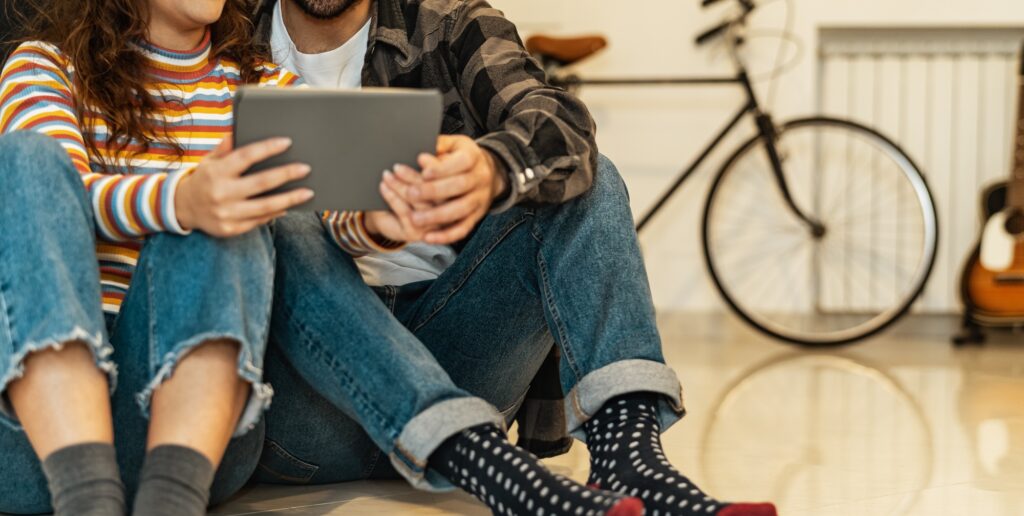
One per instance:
(831,287)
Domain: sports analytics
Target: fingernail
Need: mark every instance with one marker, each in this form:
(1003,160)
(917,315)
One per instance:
(308,194)
(414,192)
(305,169)
(388,173)
(283,142)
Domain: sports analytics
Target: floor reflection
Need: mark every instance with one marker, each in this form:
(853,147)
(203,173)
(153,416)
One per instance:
(824,428)
(902,425)
(991,410)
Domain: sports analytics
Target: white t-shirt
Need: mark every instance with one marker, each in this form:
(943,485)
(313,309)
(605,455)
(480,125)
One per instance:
(343,68)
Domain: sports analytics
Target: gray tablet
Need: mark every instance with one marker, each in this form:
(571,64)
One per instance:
(348,137)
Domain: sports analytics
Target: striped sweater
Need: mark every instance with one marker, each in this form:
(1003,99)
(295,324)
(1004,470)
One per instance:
(194,93)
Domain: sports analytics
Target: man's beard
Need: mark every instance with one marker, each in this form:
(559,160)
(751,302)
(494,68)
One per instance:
(325,9)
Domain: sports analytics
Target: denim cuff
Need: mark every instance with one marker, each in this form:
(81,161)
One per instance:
(97,344)
(427,431)
(624,377)
(259,398)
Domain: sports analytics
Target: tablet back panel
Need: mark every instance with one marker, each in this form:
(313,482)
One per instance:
(348,137)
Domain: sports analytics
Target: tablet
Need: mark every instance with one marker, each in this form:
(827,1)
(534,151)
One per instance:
(348,137)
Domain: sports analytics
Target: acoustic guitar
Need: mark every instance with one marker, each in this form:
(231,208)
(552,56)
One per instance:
(993,278)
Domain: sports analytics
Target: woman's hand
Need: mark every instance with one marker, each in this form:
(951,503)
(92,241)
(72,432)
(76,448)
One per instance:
(219,201)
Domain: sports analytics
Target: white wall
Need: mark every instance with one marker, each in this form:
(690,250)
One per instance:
(652,133)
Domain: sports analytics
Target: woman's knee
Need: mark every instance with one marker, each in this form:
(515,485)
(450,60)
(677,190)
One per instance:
(36,168)
(197,251)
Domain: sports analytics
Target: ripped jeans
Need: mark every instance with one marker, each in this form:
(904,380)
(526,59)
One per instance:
(186,290)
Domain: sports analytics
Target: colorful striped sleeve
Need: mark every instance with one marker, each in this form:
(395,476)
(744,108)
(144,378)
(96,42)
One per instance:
(36,95)
(346,228)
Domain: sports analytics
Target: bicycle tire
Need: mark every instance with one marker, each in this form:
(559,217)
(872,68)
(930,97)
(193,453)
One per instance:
(894,314)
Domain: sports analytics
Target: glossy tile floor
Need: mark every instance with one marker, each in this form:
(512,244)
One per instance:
(903,424)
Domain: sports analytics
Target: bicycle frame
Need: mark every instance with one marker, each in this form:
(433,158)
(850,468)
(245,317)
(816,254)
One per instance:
(765,125)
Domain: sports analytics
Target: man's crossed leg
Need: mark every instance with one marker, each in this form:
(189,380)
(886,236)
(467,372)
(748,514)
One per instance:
(427,372)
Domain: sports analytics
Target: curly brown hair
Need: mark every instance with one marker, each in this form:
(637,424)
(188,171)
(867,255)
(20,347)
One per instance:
(97,38)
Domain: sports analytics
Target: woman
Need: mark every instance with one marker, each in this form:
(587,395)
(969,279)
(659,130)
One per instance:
(113,123)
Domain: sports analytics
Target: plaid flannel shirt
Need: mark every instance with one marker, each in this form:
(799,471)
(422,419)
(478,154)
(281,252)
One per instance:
(495,92)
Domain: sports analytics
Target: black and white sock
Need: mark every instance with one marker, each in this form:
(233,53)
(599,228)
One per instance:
(512,481)
(624,439)
(84,480)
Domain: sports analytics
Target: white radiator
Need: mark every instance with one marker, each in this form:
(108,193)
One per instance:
(948,96)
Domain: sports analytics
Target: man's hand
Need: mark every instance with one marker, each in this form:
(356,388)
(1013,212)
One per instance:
(219,201)
(397,224)
(457,189)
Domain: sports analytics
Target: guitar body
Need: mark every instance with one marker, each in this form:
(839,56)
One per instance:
(992,283)
(995,292)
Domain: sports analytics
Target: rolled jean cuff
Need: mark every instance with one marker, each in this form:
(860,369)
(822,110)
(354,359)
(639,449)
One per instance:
(15,369)
(429,429)
(596,389)
(259,398)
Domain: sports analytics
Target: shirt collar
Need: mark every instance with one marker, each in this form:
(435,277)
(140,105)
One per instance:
(388,25)
(178,64)
(391,27)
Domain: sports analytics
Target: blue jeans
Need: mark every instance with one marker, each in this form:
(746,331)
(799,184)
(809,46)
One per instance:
(401,369)
(186,291)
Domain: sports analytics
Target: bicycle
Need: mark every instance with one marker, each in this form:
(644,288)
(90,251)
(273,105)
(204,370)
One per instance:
(855,273)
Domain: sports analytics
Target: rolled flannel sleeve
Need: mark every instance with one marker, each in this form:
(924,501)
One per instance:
(543,136)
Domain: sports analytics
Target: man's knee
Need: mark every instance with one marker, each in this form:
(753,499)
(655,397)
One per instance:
(608,181)
(304,248)
(297,230)
(606,197)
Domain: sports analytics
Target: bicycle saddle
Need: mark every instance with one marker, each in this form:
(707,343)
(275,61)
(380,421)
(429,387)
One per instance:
(565,51)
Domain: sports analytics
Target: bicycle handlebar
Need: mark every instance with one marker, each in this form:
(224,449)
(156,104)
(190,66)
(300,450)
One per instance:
(712,33)
(747,4)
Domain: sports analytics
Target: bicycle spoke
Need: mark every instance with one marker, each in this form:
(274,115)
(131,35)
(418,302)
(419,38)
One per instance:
(763,280)
(883,203)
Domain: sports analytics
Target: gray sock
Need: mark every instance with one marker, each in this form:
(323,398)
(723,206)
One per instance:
(84,481)
(175,481)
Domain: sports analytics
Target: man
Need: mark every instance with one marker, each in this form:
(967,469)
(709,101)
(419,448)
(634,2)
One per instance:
(514,232)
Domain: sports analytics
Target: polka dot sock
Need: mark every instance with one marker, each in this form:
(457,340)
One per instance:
(626,457)
(511,481)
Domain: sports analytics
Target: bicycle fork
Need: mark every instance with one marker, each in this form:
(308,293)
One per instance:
(770,137)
